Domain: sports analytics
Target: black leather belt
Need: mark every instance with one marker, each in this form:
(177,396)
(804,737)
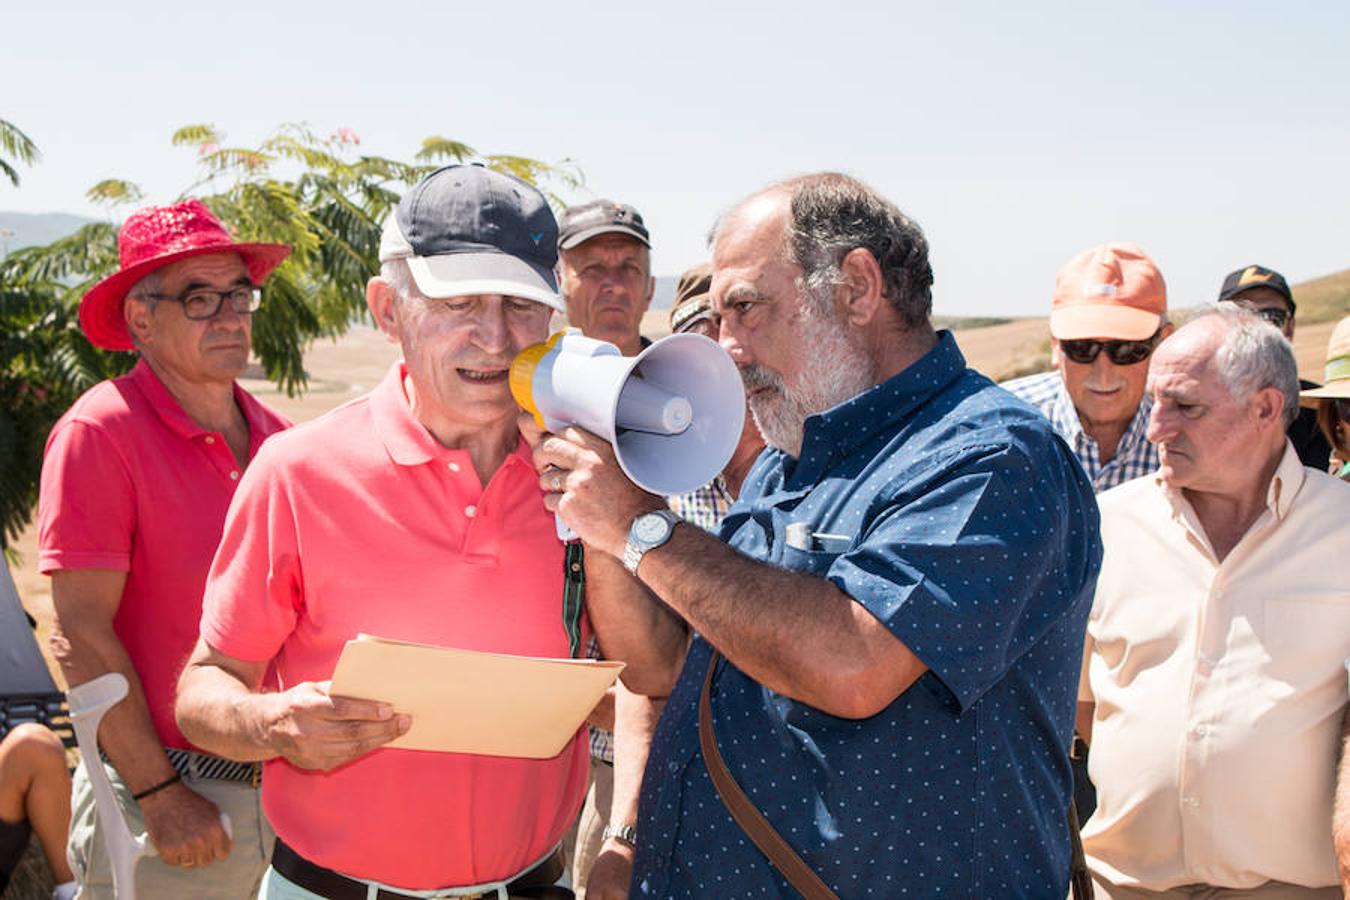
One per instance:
(536,883)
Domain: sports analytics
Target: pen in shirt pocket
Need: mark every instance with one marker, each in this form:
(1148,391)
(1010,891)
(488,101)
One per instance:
(800,537)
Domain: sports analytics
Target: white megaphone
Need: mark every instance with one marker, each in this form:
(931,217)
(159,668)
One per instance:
(673,413)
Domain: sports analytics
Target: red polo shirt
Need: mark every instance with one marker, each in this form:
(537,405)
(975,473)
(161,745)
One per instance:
(130,482)
(361,522)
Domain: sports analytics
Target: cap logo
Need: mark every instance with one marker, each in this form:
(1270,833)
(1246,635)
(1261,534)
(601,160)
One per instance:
(537,238)
(1099,290)
(1253,275)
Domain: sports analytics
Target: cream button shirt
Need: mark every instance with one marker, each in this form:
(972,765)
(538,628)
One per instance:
(1219,687)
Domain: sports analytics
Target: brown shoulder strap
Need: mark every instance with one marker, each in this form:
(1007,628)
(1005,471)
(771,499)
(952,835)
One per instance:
(1079,879)
(751,820)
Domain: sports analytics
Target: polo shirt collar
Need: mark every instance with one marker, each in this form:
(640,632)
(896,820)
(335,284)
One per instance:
(833,435)
(172,414)
(163,403)
(407,440)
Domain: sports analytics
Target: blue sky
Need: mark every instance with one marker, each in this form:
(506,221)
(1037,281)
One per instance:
(1212,134)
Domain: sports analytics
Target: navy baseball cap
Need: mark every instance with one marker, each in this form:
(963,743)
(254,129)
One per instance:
(469,230)
(1256,277)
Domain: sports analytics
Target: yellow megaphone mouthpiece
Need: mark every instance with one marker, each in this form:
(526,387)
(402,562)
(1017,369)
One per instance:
(521,375)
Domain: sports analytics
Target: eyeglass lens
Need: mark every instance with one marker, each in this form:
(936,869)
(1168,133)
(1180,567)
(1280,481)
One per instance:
(204,304)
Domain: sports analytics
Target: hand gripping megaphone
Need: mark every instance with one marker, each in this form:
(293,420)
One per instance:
(673,413)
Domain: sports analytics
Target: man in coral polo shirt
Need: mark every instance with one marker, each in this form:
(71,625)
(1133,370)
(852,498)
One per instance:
(135,485)
(413,513)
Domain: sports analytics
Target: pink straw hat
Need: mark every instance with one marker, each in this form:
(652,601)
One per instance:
(152,238)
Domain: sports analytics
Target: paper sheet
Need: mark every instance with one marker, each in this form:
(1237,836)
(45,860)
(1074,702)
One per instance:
(462,701)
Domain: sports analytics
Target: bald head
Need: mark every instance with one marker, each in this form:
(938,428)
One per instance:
(1224,389)
(825,216)
(1246,352)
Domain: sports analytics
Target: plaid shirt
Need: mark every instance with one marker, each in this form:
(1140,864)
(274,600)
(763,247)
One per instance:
(703,507)
(1135,456)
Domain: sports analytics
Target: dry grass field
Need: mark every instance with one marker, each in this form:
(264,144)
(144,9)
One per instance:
(344,369)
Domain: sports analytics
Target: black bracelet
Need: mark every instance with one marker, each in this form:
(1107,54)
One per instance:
(159,787)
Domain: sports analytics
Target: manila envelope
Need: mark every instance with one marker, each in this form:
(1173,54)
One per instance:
(462,701)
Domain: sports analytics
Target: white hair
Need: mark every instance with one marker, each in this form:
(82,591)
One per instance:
(400,278)
(1254,355)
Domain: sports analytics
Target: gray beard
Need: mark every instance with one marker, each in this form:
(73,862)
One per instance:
(836,368)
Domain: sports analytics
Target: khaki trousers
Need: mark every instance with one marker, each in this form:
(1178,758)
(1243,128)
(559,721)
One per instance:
(234,878)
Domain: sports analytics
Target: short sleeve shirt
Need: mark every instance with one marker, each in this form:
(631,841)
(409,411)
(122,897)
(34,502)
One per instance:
(359,521)
(1219,688)
(131,483)
(952,513)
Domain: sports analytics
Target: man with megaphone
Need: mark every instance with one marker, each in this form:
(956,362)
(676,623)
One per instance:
(882,677)
(414,514)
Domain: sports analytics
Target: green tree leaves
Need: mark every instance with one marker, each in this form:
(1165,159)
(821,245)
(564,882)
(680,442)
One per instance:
(316,192)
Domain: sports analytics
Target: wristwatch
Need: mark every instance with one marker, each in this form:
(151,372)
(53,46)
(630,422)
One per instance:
(624,834)
(648,531)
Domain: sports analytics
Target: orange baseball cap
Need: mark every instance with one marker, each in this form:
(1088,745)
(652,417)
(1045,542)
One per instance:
(1112,291)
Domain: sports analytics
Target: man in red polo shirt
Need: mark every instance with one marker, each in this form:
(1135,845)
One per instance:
(137,477)
(412,513)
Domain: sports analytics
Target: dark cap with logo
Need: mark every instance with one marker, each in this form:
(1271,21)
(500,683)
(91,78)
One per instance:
(587,220)
(470,230)
(1255,277)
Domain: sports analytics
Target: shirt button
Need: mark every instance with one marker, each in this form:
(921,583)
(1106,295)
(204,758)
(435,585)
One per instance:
(234,476)
(1200,731)
(1192,802)
(470,510)
(210,440)
(454,467)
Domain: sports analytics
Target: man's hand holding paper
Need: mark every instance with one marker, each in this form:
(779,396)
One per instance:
(315,730)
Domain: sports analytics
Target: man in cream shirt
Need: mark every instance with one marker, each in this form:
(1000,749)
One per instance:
(1217,636)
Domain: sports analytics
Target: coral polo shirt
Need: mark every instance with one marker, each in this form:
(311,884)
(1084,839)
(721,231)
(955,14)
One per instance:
(131,483)
(361,522)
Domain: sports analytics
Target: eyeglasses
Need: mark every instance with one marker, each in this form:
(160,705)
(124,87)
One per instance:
(202,303)
(1275,315)
(1121,353)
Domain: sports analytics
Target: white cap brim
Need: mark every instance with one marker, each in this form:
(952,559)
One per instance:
(462,274)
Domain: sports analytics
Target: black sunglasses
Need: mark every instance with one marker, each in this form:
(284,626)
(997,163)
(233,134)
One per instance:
(1121,353)
(1341,406)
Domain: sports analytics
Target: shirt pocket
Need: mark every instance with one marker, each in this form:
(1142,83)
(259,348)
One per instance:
(1308,634)
(808,562)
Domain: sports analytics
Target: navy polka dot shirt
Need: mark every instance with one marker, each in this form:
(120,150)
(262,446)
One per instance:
(967,527)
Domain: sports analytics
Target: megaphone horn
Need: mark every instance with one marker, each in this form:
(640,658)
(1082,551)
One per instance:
(673,413)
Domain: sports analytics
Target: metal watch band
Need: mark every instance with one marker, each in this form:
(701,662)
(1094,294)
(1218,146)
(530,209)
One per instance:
(624,834)
(631,557)
(634,549)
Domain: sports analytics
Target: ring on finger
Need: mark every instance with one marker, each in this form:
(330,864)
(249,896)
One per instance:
(556,482)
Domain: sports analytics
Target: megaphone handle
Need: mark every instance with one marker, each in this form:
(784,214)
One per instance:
(565,533)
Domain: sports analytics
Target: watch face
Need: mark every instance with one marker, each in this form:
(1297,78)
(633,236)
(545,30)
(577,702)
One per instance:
(650,527)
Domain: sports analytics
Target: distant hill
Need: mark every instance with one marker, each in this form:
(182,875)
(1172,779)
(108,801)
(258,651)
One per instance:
(18,230)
